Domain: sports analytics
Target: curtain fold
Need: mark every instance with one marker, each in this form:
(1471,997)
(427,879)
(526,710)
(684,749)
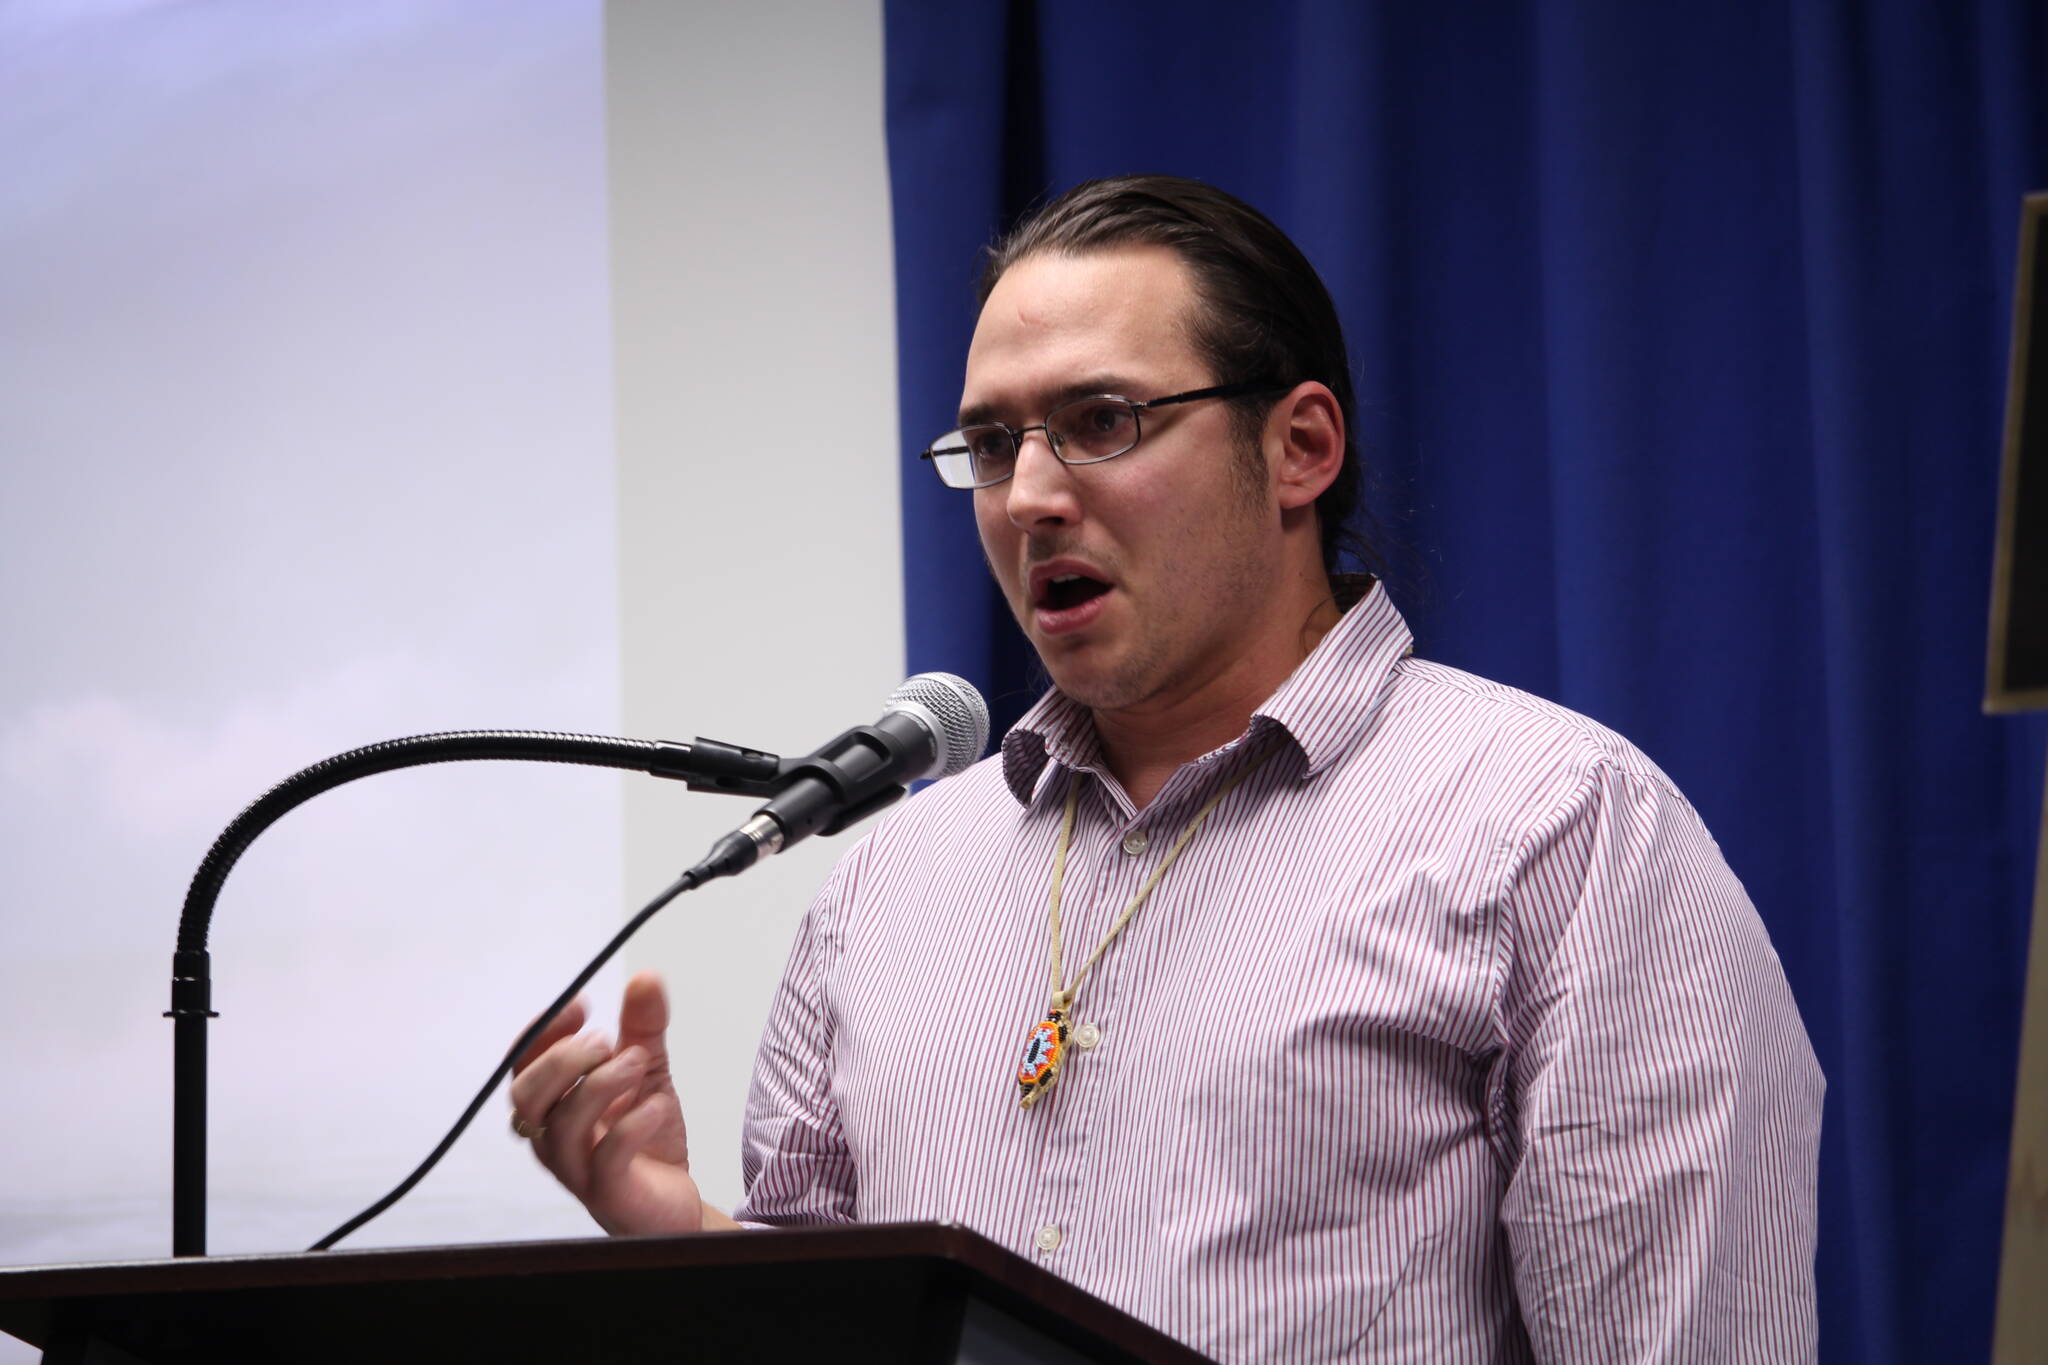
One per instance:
(1680,339)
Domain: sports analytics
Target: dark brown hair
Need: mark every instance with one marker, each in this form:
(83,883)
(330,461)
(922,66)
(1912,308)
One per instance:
(1265,315)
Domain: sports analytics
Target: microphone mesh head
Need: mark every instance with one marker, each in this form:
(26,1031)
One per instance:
(960,713)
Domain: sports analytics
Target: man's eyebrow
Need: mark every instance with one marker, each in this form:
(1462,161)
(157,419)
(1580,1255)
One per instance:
(975,414)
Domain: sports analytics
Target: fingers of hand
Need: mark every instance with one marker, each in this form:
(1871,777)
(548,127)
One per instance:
(538,1088)
(561,1026)
(576,1123)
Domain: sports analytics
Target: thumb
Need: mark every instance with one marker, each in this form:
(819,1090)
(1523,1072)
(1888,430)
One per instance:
(643,1021)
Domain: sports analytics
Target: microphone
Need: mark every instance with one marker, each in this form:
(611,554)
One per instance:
(934,725)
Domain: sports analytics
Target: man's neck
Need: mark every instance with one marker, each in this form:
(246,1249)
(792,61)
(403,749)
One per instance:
(1145,745)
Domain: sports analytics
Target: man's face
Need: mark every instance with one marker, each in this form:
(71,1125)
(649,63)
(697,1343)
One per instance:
(1138,580)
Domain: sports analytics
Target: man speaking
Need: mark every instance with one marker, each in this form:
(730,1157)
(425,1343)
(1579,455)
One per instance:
(1301,997)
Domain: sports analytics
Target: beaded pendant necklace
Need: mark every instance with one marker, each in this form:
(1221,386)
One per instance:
(1045,1047)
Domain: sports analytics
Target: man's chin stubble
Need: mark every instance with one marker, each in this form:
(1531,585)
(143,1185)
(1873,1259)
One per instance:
(1126,685)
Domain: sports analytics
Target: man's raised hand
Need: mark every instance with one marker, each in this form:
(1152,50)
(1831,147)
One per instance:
(606,1120)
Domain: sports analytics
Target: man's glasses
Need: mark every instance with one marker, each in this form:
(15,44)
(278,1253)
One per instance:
(1086,431)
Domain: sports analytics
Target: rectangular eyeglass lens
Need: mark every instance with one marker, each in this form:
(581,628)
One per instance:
(953,461)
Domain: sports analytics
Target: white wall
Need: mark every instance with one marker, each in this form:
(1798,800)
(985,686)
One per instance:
(753,303)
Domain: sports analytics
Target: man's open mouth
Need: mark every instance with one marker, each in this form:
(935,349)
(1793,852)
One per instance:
(1069,590)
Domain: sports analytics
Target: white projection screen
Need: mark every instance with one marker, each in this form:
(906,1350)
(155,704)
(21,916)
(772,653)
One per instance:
(307,434)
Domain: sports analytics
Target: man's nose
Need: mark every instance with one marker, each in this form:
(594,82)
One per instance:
(1040,488)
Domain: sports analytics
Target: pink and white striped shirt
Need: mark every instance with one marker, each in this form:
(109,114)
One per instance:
(1451,1037)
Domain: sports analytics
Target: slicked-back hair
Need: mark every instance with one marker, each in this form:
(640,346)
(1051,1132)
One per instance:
(1262,313)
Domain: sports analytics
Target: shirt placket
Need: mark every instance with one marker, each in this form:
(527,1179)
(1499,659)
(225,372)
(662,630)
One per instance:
(1106,867)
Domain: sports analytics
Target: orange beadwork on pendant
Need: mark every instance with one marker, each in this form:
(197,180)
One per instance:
(1043,1050)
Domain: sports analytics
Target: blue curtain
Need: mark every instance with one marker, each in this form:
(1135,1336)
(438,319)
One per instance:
(1681,336)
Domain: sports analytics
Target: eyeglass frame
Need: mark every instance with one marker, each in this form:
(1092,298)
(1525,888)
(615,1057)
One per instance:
(1242,389)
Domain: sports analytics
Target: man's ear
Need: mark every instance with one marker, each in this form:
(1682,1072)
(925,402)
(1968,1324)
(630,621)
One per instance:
(1305,443)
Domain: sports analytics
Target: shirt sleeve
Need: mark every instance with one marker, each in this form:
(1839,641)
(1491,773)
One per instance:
(793,1152)
(1657,1099)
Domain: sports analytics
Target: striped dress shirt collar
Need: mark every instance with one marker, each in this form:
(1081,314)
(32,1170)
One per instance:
(1325,706)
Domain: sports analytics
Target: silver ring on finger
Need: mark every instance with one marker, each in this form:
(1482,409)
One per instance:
(532,1131)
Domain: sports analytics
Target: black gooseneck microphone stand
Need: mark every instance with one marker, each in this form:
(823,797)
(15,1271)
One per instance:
(705,765)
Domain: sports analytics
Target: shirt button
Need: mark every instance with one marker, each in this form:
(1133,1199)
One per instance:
(1134,842)
(1048,1238)
(1087,1036)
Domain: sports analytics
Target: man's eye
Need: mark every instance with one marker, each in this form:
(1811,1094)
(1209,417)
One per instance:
(1099,429)
(989,443)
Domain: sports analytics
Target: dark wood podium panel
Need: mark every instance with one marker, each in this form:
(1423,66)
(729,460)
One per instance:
(2017,678)
(900,1293)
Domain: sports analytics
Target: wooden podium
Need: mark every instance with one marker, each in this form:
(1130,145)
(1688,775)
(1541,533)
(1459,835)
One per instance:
(901,1293)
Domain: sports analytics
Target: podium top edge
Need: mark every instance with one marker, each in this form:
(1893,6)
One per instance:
(947,1240)
(950,1250)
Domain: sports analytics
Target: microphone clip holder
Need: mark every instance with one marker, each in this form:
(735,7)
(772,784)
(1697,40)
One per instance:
(710,765)
(841,783)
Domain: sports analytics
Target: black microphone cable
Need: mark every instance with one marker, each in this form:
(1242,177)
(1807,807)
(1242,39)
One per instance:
(689,881)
